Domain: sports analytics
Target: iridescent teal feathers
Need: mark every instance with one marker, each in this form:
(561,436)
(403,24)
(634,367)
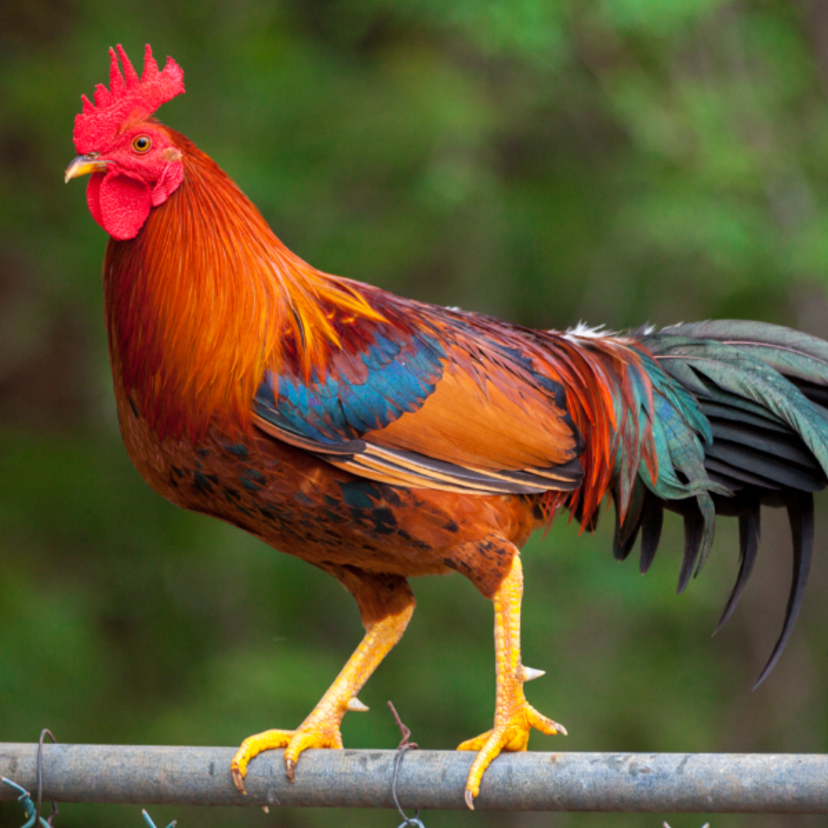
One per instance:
(743,423)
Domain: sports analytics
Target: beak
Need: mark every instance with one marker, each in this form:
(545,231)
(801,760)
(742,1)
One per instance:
(83,165)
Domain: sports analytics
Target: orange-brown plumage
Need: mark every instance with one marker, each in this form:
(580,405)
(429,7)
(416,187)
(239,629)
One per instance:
(380,438)
(205,297)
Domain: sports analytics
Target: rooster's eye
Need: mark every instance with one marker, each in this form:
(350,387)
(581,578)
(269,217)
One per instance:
(141,144)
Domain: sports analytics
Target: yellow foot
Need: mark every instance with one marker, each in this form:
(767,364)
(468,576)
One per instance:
(321,732)
(512,733)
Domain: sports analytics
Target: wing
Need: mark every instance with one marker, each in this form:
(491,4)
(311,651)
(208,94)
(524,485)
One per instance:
(427,399)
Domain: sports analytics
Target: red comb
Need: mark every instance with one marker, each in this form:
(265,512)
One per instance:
(127,96)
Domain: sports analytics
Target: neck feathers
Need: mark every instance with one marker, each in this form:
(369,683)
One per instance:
(206,298)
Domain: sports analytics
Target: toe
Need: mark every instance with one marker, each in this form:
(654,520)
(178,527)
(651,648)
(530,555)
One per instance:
(484,758)
(511,735)
(251,747)
(311,737)
(544,724)
(476,743)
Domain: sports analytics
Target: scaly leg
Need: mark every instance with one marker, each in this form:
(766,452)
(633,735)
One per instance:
(514,716)
(321,728)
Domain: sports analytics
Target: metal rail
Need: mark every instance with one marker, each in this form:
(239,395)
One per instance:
(644,782)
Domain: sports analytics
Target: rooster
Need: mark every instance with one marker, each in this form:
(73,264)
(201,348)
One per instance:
(379,438)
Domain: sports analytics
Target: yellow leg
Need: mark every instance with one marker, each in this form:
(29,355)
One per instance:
(514,716)
(321,728)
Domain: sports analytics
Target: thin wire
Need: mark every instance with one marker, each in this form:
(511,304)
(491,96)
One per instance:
(407,820)
(403,746)
(43,733)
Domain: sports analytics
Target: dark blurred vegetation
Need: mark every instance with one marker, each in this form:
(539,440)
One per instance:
(617,162)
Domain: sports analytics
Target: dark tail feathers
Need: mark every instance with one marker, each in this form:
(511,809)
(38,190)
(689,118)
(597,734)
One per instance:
(764,392)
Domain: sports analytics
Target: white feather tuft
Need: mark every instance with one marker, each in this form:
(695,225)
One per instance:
(584,331)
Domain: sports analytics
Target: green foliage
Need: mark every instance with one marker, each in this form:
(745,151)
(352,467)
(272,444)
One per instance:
(617,161)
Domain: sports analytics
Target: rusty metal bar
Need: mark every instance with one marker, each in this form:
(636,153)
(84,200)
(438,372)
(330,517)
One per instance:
(643,782)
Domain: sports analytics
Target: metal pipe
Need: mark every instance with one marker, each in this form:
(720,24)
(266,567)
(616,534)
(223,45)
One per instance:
(643,782)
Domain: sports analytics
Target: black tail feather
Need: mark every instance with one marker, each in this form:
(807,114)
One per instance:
(731,475)
(801,517)
(652,518)
(764,466)
(621,549)
(693,537)
(626,533)
(749,530)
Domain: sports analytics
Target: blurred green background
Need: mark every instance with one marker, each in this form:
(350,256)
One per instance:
(616,162)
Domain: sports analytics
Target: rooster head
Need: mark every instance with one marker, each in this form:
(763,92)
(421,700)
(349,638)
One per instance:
(133,160)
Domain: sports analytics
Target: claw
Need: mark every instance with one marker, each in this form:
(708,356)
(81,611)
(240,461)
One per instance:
(290,769)
(356,706)
(238,780)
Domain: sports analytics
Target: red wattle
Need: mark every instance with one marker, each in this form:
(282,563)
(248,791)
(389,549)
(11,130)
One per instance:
(93,196)
(118,203)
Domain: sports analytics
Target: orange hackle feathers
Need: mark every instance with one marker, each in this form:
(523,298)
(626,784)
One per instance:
(206,298)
